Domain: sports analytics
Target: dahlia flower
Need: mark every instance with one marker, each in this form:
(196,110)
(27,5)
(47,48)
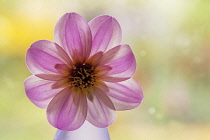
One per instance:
(85,74)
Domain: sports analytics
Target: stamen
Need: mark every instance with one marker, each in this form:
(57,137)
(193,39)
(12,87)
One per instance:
(82,76)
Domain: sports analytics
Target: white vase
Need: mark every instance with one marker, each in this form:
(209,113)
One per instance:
(86,132)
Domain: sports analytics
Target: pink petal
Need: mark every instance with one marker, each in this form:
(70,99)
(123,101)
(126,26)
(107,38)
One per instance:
(106,33)
(113,79)
(94,59)
(61,83)
(124,95)
(39,91)
(51,77)
(44,55)
(73,34)
(67,111)
(121,76)
(101,111)
(63,69)
(121,60)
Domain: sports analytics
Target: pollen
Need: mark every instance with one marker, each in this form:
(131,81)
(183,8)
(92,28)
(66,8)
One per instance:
(82,76)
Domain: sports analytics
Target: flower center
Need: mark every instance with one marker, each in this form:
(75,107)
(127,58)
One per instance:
(82,76)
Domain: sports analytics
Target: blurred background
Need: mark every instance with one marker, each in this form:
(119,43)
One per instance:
(171,42)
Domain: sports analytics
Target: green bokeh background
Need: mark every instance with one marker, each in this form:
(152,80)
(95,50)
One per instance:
(171,42)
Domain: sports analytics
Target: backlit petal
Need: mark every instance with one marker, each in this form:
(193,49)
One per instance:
(61,83)
(101,111)
(67,111)
(44,55)
(40,91)
(73,34)
(51,77)
(119,62)
(106,33)
(124,95)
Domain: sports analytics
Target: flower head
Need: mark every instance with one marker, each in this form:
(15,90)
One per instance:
(84,75)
